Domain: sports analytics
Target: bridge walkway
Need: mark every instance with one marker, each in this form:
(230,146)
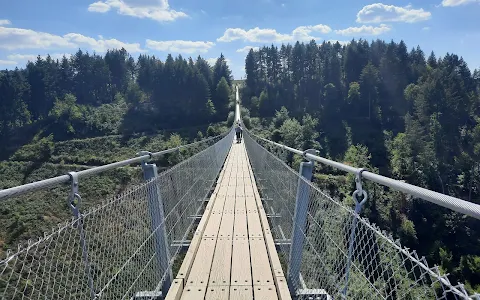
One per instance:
(232,254)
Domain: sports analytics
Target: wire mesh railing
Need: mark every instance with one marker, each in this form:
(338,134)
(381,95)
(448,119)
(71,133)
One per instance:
(375,267)
(110,251)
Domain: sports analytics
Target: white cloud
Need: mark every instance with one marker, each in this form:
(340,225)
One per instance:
(102,45)
(364,30)
(158,10)
(18,38)
(426,28)
(302,33)
(379,13)
(457,2)
(253,35)
(212,60)
(266,35)
(99,6)
(179,46)
(7,62)
(5,22)
(246,49)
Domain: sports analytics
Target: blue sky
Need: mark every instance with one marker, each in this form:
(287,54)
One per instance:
(191,27)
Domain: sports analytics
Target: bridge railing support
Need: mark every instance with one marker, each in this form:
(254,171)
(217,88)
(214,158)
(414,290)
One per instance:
(299,223)
(155,206)
(74,201)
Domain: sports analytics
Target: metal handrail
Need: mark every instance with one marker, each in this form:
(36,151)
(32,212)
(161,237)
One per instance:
(51,182)
(455,204)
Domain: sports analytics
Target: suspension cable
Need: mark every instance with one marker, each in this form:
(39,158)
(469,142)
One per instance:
(455,204)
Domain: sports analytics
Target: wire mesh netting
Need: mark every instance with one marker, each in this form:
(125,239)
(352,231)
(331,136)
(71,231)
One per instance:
(111,251)
(380,267)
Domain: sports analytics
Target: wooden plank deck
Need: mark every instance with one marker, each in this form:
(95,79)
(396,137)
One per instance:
(232,254)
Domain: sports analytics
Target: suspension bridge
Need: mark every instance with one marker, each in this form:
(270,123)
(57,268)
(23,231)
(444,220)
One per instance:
(231,222)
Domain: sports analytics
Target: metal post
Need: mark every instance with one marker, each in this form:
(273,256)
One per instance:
(74,201)
(358,207)
(155,205)
(299,223)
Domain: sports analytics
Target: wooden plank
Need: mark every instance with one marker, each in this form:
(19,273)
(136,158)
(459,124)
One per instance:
(219,203)
(240,204)
(240,183)
(217,293)
(187,262)
(226,226)
(241,270)
(261,272)
(241,293)
(250,203)
(222,190)
(211,230)
(282,289)
(175,291)
(240,225)
(267,292)
(229,206)
(275,264)
(254,226)
(240,187)
(231,191)
(249,189)
(222,259)
(194,293)
(203,261)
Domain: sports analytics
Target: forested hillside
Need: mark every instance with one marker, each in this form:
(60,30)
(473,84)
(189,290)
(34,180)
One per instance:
(394,111)
(91,95)
(88,110)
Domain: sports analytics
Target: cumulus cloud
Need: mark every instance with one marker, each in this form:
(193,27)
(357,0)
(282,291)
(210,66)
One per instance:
(266,35)
(5,22)
(158,10)
(99,6)
(253,35)
(246,49)
(303,33)
(212,60)
(364,30)
(380,13)
(7,62)
(18,38)
(179,46)
(458,2)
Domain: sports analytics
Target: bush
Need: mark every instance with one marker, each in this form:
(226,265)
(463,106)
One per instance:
(230,119)
(210,131)
(37,152)
(107,118)
(246,122)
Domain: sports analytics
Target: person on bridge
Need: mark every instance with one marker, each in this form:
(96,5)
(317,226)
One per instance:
(239,132)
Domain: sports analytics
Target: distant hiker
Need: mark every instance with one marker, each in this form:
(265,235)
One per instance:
(239,132)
